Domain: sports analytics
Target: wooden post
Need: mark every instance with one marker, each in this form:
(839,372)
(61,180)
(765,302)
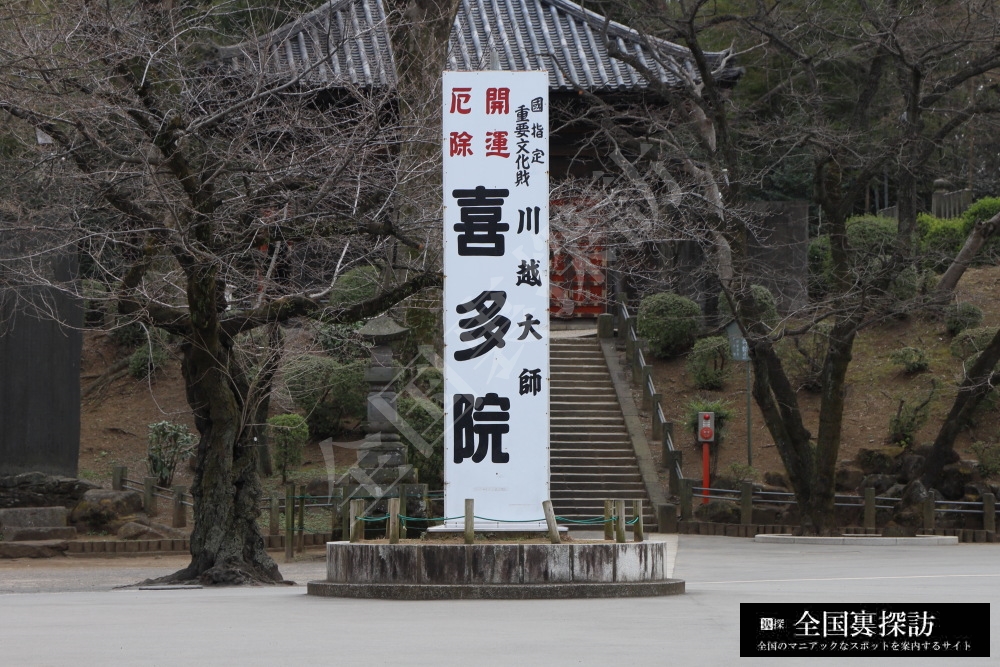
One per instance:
(302,519)
(989,512)
(550,521)
(672,460)
(118,475)
(357,525)
(393,531)
(929,513)
(608,513)
(645,373)
(149,495)
(180,512)
(655,423)
(334,517)
(638,530)
(345,520)
(686,499)
(869,519)
(289,522)
(470,521)
(619,521)
(629,350)
(746,503)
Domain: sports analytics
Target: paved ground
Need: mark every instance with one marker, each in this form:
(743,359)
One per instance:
(81,621)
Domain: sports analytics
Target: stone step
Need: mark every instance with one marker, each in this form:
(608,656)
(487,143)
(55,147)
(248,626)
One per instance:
(584,418)
(592,467)
(605,461)
(586,413)
(584,393)
(572,374)
(578,479)
(622,447)
(593,433)
(598,495)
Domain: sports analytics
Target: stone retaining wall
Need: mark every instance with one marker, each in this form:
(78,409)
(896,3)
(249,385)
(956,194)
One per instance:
(739,530)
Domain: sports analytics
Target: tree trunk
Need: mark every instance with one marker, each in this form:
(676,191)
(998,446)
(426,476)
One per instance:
(978,383)
(831,414)
(977,238)
(776,399)
(226,544)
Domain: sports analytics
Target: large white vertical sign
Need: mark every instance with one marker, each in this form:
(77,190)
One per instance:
(496,294)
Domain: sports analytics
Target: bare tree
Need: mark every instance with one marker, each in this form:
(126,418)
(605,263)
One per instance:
(212,201)
(849,89)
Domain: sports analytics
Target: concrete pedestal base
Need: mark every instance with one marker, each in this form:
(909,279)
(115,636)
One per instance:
(495,571)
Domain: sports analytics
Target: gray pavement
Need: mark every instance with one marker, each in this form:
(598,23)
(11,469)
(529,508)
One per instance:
(81,621)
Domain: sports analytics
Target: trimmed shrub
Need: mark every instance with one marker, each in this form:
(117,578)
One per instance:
(869,238)
(988,454)
(342,342)
(127,335)
(169,443)
(971,342)
(961,316)
(147,359)
(722,409)
(422,430)
(288,435)
(819,264)
(327,391)
(939,240)
(766,306)
(358,284)
(706,363)
(912,359)
(669,322)
(903,425)
(984,209)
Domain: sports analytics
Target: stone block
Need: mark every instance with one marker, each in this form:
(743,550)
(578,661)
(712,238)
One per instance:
(593,563)
(645,561)
(36,549)
(546,563)
(33,517)
(493,564)
(40,533)
(393,563)
(101,507)
(443,564)
(335,567)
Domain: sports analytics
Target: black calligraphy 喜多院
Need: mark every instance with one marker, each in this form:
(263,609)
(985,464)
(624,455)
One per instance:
(481,228)
(487,324)
(480,423)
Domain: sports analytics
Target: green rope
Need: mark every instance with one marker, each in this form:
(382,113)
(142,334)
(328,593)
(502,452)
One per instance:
(483,518)
(373,518)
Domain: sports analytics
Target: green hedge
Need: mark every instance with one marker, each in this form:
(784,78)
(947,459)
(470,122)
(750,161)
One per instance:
(939,240)
(669,322)
(327,391)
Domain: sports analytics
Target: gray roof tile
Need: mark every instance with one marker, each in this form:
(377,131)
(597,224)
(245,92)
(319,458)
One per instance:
(345,43)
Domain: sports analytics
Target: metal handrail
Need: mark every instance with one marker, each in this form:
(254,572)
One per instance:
(631,335)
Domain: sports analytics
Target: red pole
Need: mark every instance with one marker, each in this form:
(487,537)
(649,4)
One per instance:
(705,467)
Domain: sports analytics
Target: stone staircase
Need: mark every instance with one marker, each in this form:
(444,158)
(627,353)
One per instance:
(591,456)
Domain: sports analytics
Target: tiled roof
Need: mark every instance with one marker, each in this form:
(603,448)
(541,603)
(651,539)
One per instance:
(346,43)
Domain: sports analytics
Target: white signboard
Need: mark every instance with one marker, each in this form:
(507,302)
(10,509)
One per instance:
(496,295)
